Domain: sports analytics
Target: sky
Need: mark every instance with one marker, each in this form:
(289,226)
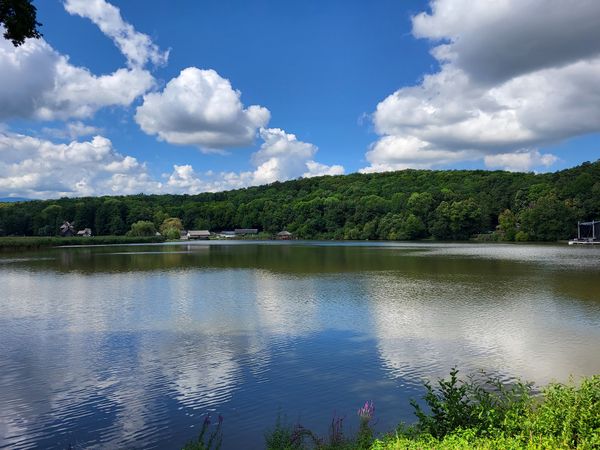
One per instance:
(194,95)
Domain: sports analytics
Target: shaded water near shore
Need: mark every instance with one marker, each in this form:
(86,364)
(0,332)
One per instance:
(129,346)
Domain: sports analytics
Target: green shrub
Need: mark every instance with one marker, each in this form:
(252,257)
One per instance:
(171,222)
(34,242)
(521,236)
(476,413)
(568,413)
(142,228)
(207,439)
(172,234)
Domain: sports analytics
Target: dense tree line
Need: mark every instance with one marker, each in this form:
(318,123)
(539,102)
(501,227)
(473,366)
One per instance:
(408,204)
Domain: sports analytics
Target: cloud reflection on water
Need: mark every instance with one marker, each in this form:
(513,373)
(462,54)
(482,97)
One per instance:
(120,348)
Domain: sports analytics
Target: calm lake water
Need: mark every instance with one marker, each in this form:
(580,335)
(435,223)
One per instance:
(126,347)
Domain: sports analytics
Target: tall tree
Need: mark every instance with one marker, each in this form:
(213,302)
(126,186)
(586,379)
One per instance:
(19,18)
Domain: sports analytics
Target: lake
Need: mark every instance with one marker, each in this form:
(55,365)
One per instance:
(130,346)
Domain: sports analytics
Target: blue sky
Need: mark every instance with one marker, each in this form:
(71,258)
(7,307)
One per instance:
(123,98)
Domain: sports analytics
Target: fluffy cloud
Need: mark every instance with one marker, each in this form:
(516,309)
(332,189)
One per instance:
(37,168)
(280,157)
(184,179)
(72,130)
(283,157)
(514,76)
(496,41)
(397,153)
(315,169)
(137,47)
(200,108)
(519,161)
(38,82)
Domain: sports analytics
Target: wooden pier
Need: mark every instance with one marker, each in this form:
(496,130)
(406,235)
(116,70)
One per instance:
(589,235)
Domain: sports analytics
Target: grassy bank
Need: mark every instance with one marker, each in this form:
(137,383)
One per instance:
(35,242)
(476,413)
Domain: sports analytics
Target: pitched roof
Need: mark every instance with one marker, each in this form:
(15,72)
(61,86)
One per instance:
(199,233)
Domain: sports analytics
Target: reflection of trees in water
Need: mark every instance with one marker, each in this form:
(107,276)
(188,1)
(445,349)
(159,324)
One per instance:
(295,259)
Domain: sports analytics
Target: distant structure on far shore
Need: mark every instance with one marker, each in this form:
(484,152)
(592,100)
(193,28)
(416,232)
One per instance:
(67,229)
(86,232)
(588,233)
(284,235)
(198,234)
(245,231)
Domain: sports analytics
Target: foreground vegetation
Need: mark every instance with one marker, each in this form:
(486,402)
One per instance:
(408,204)
(476,413)
(30,243)
(490,415)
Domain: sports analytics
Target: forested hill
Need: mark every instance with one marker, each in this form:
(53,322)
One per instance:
(408,204)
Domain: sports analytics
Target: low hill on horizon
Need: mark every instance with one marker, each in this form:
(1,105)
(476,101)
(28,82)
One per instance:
(407,204)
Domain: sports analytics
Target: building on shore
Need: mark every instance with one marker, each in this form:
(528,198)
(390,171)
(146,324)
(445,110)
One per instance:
(86,232)
(245,231)
(284,235)
(67,229)
(198,235)
(227,235)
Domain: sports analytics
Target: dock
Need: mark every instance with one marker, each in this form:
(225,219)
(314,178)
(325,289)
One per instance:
(587,233)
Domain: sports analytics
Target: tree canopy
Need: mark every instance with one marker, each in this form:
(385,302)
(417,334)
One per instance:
(19,18)
(403,205)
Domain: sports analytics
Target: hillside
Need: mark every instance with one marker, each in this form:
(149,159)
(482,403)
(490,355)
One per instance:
(408,204)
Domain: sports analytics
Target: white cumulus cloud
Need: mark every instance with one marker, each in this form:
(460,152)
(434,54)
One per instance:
(202,109)
(280,157)
(137,47)
(38,168)
(32,167)
(519,161)
(72,130)
(38,82)
(514,75)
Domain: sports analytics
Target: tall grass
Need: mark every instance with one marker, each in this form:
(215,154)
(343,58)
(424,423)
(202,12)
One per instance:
(477,413)
(35,242)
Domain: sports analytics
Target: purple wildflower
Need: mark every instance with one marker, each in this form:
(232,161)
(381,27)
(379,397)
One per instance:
(367,411)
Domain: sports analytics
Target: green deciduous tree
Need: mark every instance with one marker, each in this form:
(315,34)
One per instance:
(548,219)
(19,20)
(457,220)
(171,223)
(143,228)
(507,223)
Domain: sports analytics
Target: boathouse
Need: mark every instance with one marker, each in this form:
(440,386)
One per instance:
(198,234)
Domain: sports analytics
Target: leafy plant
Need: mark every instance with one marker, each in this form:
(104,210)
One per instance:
(214,437)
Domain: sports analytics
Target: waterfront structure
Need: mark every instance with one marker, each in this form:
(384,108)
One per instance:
(284,235)
(245,231)
(67,229)
(198,234)
(86,232)
(588,233)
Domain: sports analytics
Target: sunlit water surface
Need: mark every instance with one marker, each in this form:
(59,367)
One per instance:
(130,346)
